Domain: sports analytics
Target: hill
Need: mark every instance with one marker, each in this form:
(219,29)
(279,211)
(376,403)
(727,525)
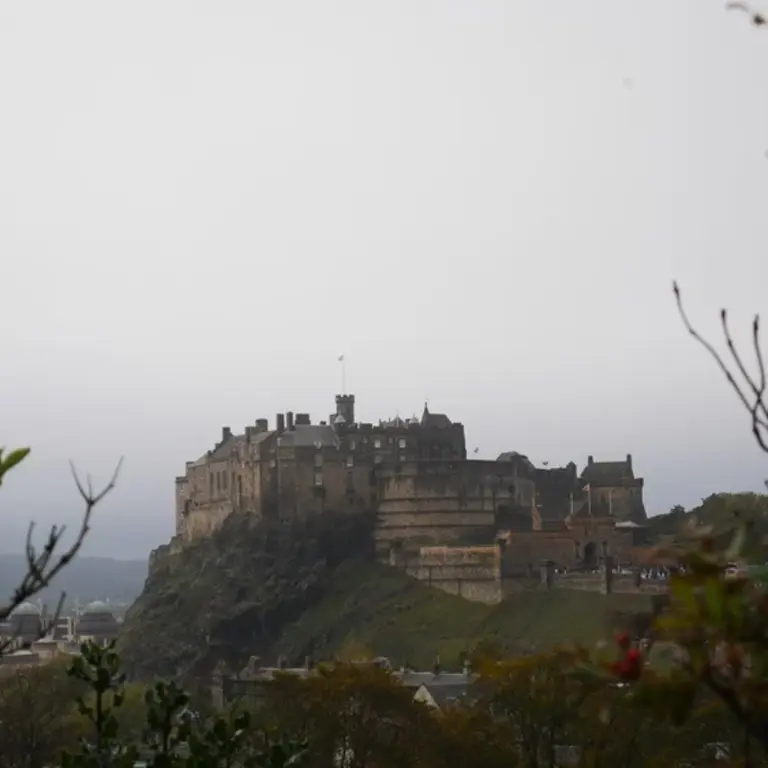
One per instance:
(305,590)
(721,511)
(85,579)
(379,610)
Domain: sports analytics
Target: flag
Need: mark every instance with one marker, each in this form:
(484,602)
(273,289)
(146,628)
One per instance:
(341,358)
(587,488)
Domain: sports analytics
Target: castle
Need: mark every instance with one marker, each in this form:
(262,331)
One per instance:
(472,527)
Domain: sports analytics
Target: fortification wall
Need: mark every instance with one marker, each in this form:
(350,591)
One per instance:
(443,504)
(204,520)
(473,573)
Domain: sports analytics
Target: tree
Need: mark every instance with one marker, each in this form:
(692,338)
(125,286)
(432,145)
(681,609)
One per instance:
(37,714)
(352,715)
(44,565)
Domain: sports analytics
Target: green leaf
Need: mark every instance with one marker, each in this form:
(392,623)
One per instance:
(714,594)
(11,460)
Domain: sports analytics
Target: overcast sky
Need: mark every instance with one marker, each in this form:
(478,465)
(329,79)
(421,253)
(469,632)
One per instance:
(202,204)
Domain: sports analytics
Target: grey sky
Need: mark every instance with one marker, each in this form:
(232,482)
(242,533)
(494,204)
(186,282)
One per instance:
(483,203)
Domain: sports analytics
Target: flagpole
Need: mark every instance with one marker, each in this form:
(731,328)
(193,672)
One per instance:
(343,374)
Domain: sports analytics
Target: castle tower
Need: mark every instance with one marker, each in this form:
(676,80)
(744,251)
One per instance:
(345,407)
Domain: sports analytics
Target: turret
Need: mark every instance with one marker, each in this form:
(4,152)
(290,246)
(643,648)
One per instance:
(345,407)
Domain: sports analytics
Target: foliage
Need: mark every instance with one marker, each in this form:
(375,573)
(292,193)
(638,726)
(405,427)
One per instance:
(716,623)
(37,714)
(172,733)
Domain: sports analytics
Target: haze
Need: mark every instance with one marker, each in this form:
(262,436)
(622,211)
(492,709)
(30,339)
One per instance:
(483,204)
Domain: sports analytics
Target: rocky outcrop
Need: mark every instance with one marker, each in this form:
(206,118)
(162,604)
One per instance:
(229,596)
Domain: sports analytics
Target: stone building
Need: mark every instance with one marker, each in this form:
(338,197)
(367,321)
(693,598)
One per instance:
(438,514)
(300,468)
(24,626)
(97,624)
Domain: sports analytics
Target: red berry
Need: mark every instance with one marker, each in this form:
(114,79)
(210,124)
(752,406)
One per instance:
(623,641)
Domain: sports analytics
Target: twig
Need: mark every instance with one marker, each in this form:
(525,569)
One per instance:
(737,5)
(44,566)
(752,393)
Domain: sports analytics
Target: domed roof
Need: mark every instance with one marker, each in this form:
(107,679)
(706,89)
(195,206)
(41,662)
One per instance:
(97,606)
(26,609)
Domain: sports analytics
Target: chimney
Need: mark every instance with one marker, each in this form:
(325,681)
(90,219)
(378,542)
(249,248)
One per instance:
(248,433)
(289,421)
(226,433)
(303,419)
(280,423)
(629,461)
(590,461)
(262,424)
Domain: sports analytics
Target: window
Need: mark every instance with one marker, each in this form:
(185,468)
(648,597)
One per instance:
(377,459)
(213,480)
(318,479)
(224,479)
(401,443)
(351,445)
(318,459)
(377,442)
(402,457)
(350,462)
(218,481)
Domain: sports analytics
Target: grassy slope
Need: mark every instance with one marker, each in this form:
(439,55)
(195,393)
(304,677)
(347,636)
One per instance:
(380,610)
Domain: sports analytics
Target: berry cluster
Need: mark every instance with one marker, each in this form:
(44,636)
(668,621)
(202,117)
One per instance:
(629,665)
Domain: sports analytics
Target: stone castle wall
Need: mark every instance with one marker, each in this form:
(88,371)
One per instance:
(473,573)
(476,574)
(446,504)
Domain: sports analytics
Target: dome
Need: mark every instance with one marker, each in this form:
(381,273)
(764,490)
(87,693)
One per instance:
(26,609)
(97,606)
(97,620)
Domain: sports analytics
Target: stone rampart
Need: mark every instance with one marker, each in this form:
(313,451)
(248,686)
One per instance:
(473,573)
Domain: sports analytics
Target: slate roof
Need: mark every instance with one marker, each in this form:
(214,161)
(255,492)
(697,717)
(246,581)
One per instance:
(224,450)
(520,458)
(607,472)
(307,435)
(435,420)
(430,679)
(445,693)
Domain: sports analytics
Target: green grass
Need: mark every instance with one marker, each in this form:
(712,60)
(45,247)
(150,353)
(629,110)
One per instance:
(382,611)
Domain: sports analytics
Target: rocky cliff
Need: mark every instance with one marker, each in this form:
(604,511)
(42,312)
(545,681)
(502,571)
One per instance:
(231,596)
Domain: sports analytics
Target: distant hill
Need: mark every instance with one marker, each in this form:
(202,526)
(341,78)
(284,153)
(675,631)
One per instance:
(85,579)
(720,510)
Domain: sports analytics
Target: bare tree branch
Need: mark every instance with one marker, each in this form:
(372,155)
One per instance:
(752,391)
(45,565)
(737,5)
